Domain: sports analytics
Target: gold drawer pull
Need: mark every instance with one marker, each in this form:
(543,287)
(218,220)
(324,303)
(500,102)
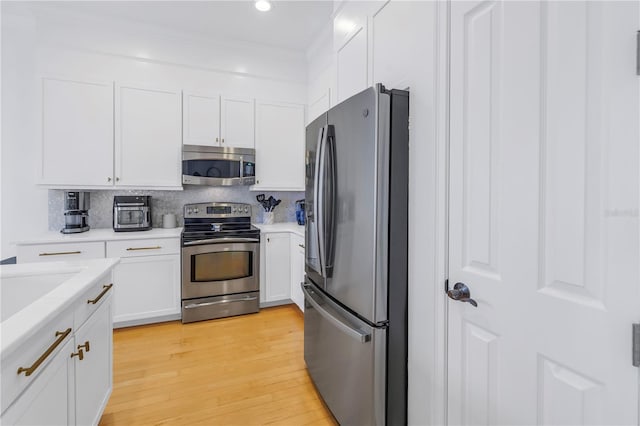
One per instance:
(85,346)
(59,253)
(61,335)
(144,248)
(79,354)
(94,301)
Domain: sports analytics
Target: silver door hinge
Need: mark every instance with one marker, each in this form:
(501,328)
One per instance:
(636,345)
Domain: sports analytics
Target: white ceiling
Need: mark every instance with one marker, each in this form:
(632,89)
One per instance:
(289,24)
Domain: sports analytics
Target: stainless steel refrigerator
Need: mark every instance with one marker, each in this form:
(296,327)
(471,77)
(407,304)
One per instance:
(355,320)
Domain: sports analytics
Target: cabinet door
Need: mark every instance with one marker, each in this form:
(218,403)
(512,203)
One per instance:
(94,373)
(146,287)
(279,146)
(297,270)
(277,267)
(352,66)
(77,133)
(148,137)
(49,400)
(60,251)
(201,119)
(236,122)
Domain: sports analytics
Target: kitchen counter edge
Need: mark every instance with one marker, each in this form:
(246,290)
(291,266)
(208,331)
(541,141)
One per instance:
(292,227)
(99,234)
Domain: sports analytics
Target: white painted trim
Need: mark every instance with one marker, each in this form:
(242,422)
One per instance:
(441,88)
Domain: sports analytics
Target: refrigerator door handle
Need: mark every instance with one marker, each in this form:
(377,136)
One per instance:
(330,202)
(339,324)
(318,205)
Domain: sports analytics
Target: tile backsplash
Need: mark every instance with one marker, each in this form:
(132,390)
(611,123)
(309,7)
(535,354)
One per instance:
(162,202)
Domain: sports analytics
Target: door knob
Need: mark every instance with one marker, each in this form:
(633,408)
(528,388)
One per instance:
(461,293)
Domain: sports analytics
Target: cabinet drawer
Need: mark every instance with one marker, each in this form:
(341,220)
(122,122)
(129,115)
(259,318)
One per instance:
(92,299)
(28,353)
(135,248)
(60,251)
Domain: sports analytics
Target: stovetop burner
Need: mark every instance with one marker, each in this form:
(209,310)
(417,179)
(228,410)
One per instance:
(209,221)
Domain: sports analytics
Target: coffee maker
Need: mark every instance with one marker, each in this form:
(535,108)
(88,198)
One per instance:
(76,215)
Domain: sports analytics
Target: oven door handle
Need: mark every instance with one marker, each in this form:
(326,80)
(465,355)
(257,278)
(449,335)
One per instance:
(219,302)
(222,240)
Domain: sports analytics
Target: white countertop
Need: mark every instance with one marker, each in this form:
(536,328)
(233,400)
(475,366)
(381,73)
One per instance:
(23,324)
(282,227)
(100,234)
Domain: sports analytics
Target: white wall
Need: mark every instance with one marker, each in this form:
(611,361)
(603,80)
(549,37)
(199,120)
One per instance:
(40,41)
(24,207)
(404,49)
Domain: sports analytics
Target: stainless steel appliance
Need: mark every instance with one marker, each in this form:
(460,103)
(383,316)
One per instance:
(218,166)
(220,261)
(76,212)
(355,319)
(131,213)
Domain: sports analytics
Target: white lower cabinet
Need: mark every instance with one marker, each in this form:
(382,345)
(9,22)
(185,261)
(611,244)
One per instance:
(297,270)
(147,280)
(93,373)
(72,384)
(147,287)
(49,399)
(276,267)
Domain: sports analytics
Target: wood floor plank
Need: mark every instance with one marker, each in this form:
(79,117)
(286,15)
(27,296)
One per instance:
(245,370)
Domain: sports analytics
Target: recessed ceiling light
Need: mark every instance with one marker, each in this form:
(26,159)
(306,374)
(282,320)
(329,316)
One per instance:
(263,5)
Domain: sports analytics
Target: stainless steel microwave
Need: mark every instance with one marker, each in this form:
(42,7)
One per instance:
(218,166)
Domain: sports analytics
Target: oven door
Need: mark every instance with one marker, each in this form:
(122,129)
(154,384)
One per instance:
(222,266)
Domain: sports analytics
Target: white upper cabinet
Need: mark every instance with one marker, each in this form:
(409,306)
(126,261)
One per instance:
(148,137)
(216,120)
(201,119)
(352,66)
(280,131)
(77,133)
(237,122)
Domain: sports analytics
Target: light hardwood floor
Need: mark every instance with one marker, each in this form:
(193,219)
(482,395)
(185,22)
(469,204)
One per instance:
(245,370)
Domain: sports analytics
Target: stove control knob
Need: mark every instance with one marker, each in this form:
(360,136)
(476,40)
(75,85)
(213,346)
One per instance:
(246,209)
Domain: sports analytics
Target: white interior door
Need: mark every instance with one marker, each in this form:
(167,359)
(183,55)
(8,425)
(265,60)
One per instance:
(543,229)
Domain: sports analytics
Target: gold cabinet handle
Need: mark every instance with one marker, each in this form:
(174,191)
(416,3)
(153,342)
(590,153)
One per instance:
(61,335)
(85,346)
(59,253)
(144,248)
(109,179)
(301,245)
(79,354)
(94,301)
(222,140)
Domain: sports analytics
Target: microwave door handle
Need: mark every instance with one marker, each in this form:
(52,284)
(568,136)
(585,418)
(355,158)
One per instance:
(318,205)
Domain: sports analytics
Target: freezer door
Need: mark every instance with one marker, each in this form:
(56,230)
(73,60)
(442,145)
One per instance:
(345,358)
(358,158)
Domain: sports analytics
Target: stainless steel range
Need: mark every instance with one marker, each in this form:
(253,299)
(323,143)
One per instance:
(220,261)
